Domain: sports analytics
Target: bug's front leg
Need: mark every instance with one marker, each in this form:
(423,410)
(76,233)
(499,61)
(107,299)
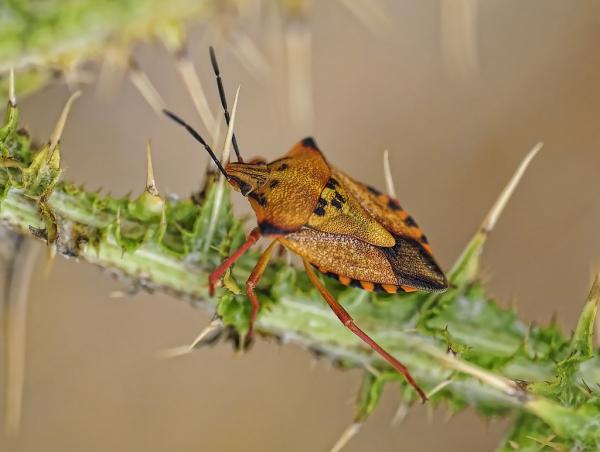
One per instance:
(251,283)
(218,272)
(348,322)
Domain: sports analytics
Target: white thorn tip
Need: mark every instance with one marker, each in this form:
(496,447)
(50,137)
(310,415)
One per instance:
(500,204)
(174,352)
(298,42)
(369,367)
(192,82)
(438,388)
(401,413)
(150,181)
(62,120)
(387,172)
(12,98)
(141,81)
(214,328)
(350,432)
(250,56)
(229,136)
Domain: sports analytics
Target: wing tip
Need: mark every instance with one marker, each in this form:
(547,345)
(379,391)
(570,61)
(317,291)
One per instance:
(415,266)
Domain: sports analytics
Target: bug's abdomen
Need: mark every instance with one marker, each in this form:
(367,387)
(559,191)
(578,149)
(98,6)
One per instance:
(369,286)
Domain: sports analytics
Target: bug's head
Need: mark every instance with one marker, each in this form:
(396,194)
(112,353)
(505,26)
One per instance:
(247,177)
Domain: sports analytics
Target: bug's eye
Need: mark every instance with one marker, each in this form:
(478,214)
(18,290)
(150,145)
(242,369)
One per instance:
(257,161)
(245,188)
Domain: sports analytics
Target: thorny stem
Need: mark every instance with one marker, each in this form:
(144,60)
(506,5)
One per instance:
(157,244)
(91,229)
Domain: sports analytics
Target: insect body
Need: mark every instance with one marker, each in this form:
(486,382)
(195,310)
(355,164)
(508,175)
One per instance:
(341,227)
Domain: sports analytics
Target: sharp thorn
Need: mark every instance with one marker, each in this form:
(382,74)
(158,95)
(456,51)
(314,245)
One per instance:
(150,182)
(223,98)
(207,335)
(438,388)
(430,413)
(188,73)
(145,87)
(372,370)
(11,88)
(17,285)
(372,15)
(299,58)
(229,136)
(224,159)
(458,31)
(449,415)
(350,432)
(60,125)
(250,56)
(112,69)
(401,413)
(387,172)
(492,217)
(467,265)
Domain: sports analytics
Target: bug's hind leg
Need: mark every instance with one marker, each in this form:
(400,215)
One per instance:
(348,322)
(253,280)
(214,277)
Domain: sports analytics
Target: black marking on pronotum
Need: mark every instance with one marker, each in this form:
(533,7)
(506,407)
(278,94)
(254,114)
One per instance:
(274,183)
(335,203)
(259,197)
(373,190)
(309,142)
(424,239)
(339,197)
(319,211)
(322,202)
(410,221)
(283,167)
(267,228)
(332,183)
(393,204)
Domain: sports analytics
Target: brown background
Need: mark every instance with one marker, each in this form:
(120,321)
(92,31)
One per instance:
(93,381)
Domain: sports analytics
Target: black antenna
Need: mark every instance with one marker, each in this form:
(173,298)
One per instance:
(215,65)
(198,137)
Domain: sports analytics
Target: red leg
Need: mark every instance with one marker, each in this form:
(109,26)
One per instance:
(253,280)
(345,318)
(218,272)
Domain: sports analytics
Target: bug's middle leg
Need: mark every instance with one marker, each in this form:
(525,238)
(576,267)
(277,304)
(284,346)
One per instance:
(253,280)
(214,277)
(348,322)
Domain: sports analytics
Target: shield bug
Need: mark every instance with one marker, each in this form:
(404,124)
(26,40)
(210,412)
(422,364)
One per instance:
(343,228)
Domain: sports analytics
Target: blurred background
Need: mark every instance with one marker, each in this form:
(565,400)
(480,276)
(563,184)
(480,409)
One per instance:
(458,91)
